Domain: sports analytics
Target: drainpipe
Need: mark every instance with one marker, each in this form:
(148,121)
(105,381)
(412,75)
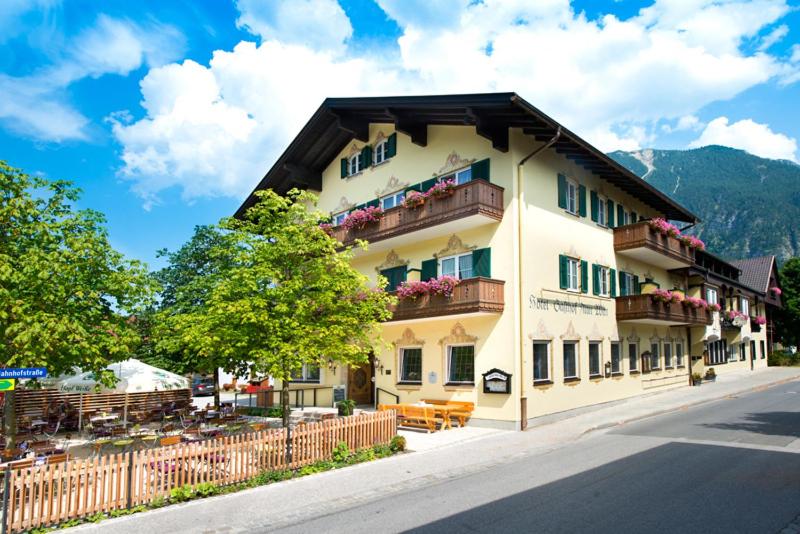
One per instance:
(520,264)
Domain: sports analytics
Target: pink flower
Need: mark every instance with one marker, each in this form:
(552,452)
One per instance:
(442,189)
(694,302)
(760,320)
(361,217)
(326,227)
(661,295)
(776,291)
(714,307)
(443,285)
(414,199)
(412,290)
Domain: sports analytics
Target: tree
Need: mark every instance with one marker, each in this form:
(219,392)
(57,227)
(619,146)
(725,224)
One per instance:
(289,298)
(185,286)
(788,318)
(67,298)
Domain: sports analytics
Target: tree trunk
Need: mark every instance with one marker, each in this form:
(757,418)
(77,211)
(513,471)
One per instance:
(285,402)
(216,388)
(10,420)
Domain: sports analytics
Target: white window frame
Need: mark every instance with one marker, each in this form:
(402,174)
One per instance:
(576,356)
(602,210)
(605,286)
(354,164)
(457,258)
(401,356)
(668,359)
(573,194)
(599,346)
(744,306)
(396,198)
(449,361)
(635,360)
(712,292)
(338,218)
(626,218)
(379,150)
(629,285)
(618,345)
(573,275)
(655,356)
(458,176)
(549,376)
(733,352)
(679,354)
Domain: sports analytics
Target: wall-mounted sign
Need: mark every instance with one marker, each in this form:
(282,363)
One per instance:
(432,377)
(7,384)
(496,381)
(566,306)
(23,372)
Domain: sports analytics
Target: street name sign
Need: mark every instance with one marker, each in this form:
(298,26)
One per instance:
(23,372)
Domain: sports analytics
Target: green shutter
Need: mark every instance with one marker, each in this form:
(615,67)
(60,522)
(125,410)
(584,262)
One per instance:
(595,200)
(391,146)
(584,276)
(360,207)
(415,187)
(623,284)
(366,157)
(595,279)
(344,167)
(394,277)
(612,275)
(620,215)
(563,275)
(374,203)
(633,217)
(427,184)
(636,287)
(480,170)
(562,192)
(610,213)
(429,269)
(482,262)
(582,200)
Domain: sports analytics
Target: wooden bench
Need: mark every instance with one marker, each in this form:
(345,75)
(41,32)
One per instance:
(410,415)
(461,414)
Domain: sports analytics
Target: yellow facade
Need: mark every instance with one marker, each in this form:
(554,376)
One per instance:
(525,248)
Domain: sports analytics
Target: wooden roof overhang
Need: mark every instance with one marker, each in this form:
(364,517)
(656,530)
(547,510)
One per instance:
(339,120)
(719,272)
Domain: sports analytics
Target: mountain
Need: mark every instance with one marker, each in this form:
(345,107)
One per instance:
(749,206)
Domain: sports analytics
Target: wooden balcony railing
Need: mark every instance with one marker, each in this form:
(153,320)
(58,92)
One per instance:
(469,296)
(642,308)
(639,235)
(477,197)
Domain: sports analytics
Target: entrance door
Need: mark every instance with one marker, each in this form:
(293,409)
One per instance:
(359,383)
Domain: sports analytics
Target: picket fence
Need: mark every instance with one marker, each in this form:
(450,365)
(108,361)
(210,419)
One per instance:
(54,493)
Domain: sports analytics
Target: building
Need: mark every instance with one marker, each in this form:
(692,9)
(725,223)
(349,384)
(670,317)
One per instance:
(563,256)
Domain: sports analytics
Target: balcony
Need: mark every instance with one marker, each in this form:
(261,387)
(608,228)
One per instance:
(472,204)
(642,309)
(474,295)
(642,243)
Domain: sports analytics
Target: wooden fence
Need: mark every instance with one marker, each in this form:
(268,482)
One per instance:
(50,494)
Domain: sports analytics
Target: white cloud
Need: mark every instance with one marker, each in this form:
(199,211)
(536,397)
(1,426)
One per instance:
(795,53)
(37,104)
(687,122)
(319,24)
(774,36)
(748,135)
(612,81)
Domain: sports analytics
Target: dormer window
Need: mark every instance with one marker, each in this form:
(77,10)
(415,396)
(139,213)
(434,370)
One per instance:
(354,164)
(379,152)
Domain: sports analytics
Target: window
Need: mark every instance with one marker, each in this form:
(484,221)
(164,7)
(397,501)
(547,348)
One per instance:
(602,281)
(745,306)
(602,214)
(461,364)
(616,358)
(633,357)
(309,373)
(354,164)
(458,266)
(594,359)
(379,152)
(717,352)
(390,201)
(679,354)
(570,359)
(762,352)
(743,352)
(711,295)
(667,355)
(572,274)
(541,362)
(625,219)
(572,197)
(733,355)
(627,285)
(339,218)
(461,177)
(411,365)
(655,356)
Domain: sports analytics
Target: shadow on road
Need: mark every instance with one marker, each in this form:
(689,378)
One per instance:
(677,487)
(769,423)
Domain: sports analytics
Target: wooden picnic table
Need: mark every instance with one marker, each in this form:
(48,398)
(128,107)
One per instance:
(443,411)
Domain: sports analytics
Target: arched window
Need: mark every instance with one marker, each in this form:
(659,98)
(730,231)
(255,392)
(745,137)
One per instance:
(354,164)
(379,153)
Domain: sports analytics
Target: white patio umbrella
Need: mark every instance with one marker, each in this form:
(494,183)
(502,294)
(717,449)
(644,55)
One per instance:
(133,376)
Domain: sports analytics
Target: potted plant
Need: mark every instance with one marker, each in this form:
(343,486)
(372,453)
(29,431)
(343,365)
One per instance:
(442,189)
(697,379)
(711,375)
(413,200)
(362,217)
(346,406)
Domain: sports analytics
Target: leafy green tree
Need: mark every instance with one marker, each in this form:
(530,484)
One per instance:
(67,298)
(289,297)
(788,318)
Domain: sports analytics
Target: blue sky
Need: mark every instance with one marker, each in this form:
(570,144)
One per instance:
(166,113)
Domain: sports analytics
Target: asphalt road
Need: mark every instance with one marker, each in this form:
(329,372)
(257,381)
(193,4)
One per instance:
(729,466)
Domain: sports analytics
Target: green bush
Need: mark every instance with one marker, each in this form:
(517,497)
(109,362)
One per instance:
(398,444)
(362,455)
(158,502)
(382,451)
(275,411)
(206,489)
(783,358)
(341,452)
(182,494)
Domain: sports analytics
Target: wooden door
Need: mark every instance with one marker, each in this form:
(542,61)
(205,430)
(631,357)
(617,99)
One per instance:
(359,383)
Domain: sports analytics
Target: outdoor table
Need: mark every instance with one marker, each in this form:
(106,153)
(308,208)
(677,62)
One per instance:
(443,411)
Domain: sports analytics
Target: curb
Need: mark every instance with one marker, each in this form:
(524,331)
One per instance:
(689,405)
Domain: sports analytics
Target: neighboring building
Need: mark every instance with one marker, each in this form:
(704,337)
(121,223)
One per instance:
(761,275)
(560,271)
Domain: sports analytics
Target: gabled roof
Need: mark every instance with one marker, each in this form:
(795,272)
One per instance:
(756,272)
(339,120)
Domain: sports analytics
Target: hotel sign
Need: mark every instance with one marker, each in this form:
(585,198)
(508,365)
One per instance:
(567,306)
(496,381)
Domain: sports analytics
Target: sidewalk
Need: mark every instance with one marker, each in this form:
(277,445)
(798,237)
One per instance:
(289,502)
